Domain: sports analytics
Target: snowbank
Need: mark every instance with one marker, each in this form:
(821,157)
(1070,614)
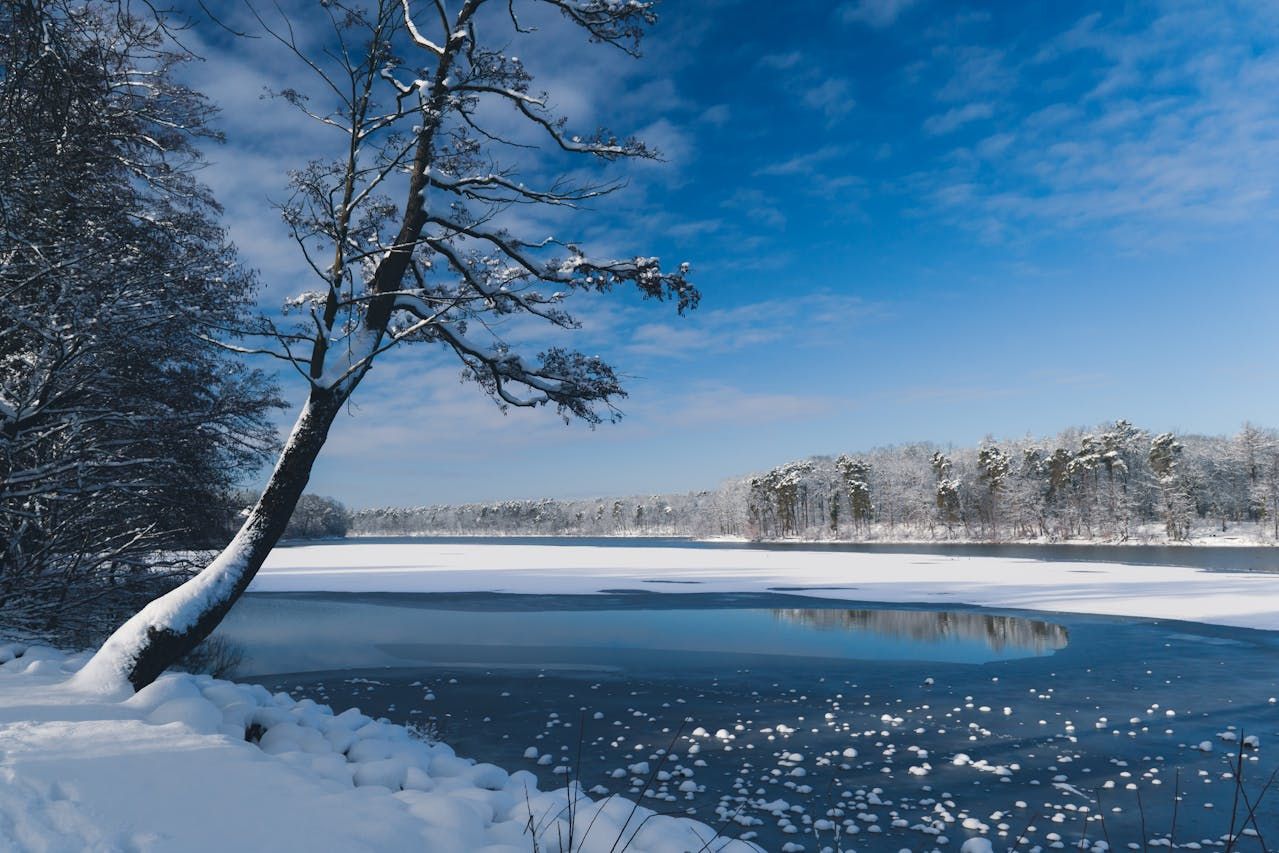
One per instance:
(1240,599)
(193,763)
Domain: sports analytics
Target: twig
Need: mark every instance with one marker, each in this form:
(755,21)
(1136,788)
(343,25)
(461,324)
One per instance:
(1234,806)
(651,776)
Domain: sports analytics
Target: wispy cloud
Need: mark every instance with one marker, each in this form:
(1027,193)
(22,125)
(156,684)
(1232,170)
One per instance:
(821,173)
(874,13)
(416,406)
(757,206)
(716,114)
(974,70)
(802,164)
(812,320)
(807,83)
(1164,122)
(781,61)
(832,97)
(955,118)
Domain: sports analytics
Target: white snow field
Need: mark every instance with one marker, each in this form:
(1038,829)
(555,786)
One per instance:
(1239,599)
(169,769)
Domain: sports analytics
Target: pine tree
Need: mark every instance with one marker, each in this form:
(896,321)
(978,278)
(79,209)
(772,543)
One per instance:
(1165,463)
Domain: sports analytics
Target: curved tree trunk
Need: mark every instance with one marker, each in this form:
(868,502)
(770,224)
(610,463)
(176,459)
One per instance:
(173,624)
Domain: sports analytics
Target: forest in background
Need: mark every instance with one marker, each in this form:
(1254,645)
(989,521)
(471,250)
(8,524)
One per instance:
(1115,483)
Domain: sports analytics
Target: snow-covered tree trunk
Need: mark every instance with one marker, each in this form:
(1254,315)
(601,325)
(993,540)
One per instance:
(172,625)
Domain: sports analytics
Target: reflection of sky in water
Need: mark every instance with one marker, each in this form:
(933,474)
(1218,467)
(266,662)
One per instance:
(283,635)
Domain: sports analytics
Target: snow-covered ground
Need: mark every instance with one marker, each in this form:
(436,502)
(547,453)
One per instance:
(170,769)
(1249,600)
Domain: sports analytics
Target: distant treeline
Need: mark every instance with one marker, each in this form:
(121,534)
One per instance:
(1115,483)
(314,517)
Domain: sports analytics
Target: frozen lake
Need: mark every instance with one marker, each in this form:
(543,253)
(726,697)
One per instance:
(901,723)
(1228,587)
(1214,557)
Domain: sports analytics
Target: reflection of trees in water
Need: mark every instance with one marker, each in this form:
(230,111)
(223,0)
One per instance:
(998,632)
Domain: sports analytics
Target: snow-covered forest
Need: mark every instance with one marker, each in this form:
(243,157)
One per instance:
(122,423)
(1115,483)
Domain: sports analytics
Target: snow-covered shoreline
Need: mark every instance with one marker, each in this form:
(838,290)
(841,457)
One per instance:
(195,764)
(1143,540)
(1238,599)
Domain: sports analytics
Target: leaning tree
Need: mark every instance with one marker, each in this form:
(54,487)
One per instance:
(436,111)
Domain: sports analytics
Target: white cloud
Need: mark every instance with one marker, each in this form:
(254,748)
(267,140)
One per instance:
(874,13)
(957,117)
(1158,126)
(973,71)
(716,114)
(994,145)
(817,319)
(803,164)
(799,78)
(781,61)
(833,97)
(415,406)
(757,206)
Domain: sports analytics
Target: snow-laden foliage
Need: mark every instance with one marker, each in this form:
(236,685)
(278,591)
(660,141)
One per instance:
(427,118)
(1115,483)
(119,422)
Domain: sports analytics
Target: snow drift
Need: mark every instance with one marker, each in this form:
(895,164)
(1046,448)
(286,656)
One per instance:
(195,763)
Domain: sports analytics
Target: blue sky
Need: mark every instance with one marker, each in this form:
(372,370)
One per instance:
(910,220)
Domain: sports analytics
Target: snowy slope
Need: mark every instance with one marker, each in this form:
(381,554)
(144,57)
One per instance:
(169,769)
(1239,599)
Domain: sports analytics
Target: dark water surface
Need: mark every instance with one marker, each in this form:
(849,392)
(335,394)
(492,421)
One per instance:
(1024,724)
(288,632)
(1238,558)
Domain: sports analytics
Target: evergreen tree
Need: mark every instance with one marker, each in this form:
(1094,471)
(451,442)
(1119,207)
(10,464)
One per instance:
(993,466)
(855,473)
(1165,463)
